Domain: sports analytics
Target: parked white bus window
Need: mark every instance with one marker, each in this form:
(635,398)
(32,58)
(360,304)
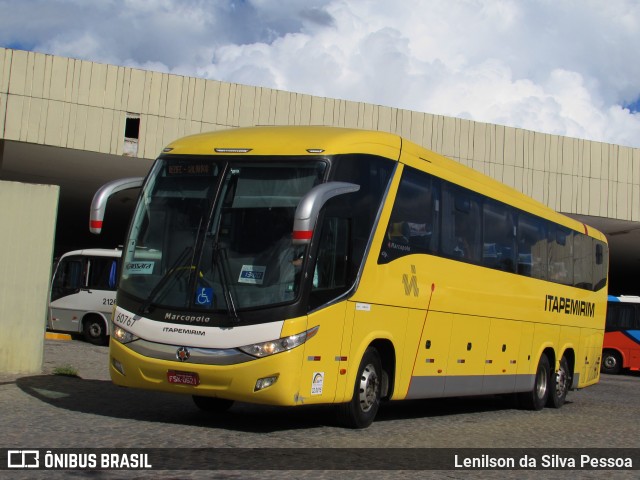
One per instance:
(83,293)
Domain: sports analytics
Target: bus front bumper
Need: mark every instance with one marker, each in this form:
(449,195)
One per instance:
(242,381)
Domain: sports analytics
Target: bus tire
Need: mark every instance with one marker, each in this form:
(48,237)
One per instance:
(212,404)
(363,407)
(536,399)
(560,384)
(611,362)
(94,330)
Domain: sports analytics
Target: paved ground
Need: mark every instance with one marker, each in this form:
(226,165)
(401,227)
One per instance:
(50,411)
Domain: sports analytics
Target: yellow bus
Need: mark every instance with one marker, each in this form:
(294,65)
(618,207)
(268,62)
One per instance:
(316,265)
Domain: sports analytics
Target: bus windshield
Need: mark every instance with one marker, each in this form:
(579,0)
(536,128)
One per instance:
(216,235)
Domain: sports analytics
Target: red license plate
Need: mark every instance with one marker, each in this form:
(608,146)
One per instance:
(183,378)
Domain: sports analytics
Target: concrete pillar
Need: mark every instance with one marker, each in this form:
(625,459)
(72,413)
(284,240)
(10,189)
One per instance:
(27,227)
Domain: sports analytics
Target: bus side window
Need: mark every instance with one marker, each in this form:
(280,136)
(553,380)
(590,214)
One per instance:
(583,261)
(113,275)
(413,226)
(331,271)
(102,273)
(532,246)
(610,324)
(499,237)
(601,267)
(620,317)
(68,278)
(560,255)
(461,215)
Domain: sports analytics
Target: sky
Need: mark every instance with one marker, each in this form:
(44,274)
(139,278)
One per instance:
(566,67)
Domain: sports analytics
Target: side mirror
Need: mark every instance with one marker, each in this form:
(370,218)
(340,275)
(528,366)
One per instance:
(309,207)
(99,202)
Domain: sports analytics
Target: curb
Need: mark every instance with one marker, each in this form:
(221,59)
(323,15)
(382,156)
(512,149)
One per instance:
(57,336)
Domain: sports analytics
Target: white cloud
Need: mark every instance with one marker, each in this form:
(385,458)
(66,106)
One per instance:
(559,67)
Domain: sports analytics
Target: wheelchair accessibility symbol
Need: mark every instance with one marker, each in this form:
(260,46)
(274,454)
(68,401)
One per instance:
(204,296)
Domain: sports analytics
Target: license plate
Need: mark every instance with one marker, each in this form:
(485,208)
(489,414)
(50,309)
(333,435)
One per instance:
(183,378)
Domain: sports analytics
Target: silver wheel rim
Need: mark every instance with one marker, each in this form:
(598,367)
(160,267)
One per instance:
(369,387)
(561,382)
(541,383)
(610,361)
(95,330)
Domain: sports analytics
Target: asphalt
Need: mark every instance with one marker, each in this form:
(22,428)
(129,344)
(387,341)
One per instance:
(47,410)
(63,353)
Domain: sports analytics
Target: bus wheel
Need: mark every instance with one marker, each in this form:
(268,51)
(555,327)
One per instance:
(94,330)
(363,407)
(611,362)
(537,398)
(560,383)
(212,404)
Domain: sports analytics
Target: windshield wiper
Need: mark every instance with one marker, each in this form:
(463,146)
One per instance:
(221,262)
(144,308)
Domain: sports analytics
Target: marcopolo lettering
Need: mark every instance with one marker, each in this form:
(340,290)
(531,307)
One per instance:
(397,246)
(569,306)
(174,317)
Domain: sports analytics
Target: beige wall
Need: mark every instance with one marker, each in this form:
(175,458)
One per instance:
(76,104)
(28,217)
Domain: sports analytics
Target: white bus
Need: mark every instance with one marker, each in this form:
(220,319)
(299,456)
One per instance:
(83,293)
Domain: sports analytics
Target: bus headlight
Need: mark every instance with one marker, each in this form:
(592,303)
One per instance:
(122,335)
(264,349)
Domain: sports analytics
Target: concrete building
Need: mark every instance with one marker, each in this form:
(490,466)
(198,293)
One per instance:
(79,124)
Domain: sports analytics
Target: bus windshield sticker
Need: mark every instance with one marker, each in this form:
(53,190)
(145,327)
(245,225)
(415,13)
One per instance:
(318,382)
(138,268)
(253,274)
(204,296)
